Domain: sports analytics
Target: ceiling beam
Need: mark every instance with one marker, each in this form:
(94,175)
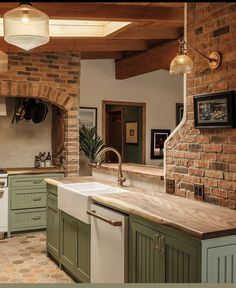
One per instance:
(102,11)
(153,59)
(147,33)
(70,44)
(101,55)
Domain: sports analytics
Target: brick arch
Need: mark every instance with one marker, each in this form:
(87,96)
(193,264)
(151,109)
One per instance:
(37,90)
(60,99)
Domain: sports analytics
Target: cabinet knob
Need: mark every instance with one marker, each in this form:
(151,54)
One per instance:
(156,242)
(161,244)
(2,183)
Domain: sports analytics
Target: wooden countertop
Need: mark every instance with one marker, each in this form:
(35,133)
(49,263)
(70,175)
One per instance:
(31,170)
(147,170)
(198,219)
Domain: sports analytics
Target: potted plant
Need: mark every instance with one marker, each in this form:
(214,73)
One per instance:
(90,143)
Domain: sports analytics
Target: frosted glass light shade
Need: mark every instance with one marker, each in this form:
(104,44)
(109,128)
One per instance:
(3,62)
(26,27)
(181,64)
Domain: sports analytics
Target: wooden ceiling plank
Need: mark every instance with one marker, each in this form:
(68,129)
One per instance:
(153,59)
(148,33)
(82,45)
(103,11)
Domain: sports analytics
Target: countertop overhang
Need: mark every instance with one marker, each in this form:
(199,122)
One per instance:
(198,219)
(32,170)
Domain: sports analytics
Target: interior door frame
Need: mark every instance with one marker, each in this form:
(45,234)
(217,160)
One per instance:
(124,103)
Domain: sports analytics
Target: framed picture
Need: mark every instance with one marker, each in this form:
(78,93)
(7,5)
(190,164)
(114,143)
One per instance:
(158,137)
(131,132)
(215,110)
(179,112)
(88,117)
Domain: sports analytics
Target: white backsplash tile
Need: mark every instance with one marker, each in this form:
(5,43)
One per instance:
(19,143)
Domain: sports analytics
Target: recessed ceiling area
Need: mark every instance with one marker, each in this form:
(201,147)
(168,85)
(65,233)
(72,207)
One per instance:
(80,28)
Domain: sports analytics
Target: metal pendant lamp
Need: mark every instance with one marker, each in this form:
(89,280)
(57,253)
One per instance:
(26,27)
(182,63)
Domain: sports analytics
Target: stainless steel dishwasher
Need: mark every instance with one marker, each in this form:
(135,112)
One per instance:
(109,245)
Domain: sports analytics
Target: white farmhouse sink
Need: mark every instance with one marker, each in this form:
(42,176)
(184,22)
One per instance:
(75,198)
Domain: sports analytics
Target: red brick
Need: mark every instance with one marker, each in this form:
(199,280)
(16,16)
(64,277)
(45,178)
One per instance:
(214,174)
(219,192)
(229,149)
(228,203)
(212,148)
(209,182)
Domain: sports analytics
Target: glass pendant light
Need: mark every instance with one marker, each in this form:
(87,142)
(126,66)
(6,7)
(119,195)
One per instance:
(26,27)
(182,63)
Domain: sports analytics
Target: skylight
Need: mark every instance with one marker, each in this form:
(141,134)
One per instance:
(80,28)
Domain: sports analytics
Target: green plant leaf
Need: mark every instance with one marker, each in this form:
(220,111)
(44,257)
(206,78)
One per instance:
(90,143)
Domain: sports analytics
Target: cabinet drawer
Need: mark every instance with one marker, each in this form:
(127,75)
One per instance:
(21,199)
(27,181)
(32,218)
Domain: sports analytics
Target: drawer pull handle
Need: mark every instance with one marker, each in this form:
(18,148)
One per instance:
(162,244)
(111,222)
(155,243)
(37,181)
(37,199)
(36,217)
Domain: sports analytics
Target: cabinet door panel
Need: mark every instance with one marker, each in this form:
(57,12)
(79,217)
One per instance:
(180,261)
(83,252)
(144,258)
(68,241)
(221,264)
(53,230)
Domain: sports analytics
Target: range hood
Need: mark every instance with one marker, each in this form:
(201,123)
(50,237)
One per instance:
(3,108)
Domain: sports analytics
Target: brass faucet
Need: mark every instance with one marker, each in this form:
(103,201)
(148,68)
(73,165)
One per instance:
(121,179)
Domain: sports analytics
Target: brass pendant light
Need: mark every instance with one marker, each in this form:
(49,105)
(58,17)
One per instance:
(183,64)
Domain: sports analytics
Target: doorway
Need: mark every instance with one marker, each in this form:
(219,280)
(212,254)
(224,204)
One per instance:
(116,118)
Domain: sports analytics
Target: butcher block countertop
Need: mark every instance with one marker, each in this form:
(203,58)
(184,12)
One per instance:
(147,170)
(31,170)
(198,219)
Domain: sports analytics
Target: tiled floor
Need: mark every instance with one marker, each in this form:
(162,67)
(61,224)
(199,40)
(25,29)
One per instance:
(23,260)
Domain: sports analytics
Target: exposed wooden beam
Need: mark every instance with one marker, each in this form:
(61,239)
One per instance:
(153,59)
(82,45)
(103,11)
(147,33)
(101,55)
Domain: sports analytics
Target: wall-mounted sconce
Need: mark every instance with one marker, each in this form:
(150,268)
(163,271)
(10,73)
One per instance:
(182,63)
(26,27)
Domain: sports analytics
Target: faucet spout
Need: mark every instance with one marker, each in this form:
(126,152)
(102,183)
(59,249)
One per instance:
(121,179)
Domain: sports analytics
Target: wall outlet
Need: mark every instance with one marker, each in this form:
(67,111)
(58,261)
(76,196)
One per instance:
(199,191)
(170,186)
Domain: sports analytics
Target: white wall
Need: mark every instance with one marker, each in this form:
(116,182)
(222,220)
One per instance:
(19,143)
(158,90)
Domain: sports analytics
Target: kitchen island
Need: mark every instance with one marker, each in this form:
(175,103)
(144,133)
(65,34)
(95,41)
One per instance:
(196,240)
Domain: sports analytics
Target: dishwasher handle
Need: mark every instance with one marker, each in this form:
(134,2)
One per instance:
(109,221)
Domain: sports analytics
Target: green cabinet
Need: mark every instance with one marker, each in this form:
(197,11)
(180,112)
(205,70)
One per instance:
(158,254)
(75,247)
(53,223)
(27,201)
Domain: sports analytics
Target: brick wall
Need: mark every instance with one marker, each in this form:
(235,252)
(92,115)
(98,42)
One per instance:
(207,156)
(53,77)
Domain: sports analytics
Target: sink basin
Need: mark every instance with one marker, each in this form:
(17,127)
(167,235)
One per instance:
(75,198)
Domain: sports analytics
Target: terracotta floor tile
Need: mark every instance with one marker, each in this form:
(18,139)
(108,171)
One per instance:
(23,260)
